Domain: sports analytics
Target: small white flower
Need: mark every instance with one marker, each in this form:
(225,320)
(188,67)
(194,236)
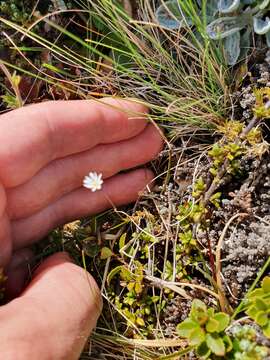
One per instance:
(93,181)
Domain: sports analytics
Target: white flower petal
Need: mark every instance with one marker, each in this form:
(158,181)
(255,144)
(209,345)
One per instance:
(93,181)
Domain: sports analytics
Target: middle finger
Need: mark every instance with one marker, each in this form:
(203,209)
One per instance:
(65,175)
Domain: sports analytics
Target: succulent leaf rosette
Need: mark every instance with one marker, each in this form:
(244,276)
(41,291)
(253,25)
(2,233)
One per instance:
(229,21)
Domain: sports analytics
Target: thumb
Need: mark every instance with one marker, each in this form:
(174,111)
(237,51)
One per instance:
(54,316)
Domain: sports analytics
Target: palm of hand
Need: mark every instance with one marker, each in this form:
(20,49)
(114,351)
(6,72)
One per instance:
(45,151)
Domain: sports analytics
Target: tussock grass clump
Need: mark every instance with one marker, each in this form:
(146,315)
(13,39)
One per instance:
(111,53)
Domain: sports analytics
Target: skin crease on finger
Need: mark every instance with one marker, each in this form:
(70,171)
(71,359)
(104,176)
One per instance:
(65,175)
(58,129)
(119,190)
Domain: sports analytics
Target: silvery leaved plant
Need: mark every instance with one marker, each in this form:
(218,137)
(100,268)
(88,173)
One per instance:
(229,21)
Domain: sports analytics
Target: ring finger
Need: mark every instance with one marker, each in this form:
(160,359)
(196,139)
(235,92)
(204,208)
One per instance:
(118,190)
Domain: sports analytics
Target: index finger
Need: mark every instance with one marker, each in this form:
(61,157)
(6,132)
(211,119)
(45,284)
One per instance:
(60,293)
(33,136)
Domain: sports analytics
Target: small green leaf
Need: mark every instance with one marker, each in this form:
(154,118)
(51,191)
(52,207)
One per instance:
(186,327)
(228,6)
(256,293)
(140,321)
(260,304)
(198,305)
(261,318)
(245,43)
(203,350)
(199,312)
(228,343)
(261,25)
(105,253)
(130,286)
(113,273)
(266,330)
(126,275)
(213,171)
(216,196)
(122,241)
(232,48)
(171,16)
(138,287)
(226,26)
(215,344)
(266,284)
(196,337)
(155,299)
(91,249)
(252,311)
(212,325)
(223,321)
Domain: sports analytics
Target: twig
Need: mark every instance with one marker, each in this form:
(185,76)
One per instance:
(158,343)
(255,121)
(211,257)
(169,284)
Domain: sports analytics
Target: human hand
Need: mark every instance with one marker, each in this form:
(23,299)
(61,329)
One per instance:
(45,152)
